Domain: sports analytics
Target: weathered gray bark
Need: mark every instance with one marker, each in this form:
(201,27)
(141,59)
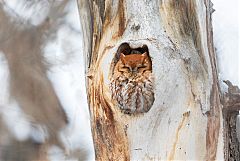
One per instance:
(185,119)
(231,108)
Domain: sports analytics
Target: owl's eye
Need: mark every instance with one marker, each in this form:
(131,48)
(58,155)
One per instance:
(142,66)
(125,67)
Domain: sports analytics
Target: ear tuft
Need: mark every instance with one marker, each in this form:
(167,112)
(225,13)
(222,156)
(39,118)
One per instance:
(144,54)
(122,56)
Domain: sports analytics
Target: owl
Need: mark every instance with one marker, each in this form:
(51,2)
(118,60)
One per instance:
(132,83)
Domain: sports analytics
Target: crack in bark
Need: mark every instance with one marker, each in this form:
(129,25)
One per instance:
(186,63)
(172,153)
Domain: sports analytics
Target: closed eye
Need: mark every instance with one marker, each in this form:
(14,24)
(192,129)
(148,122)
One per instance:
(142,66)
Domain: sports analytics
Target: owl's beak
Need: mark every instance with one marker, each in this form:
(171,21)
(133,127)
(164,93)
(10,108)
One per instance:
(134,70)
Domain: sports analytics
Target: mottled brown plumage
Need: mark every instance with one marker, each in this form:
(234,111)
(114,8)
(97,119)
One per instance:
(132,83)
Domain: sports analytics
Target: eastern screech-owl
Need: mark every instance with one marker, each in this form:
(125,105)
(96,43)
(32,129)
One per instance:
(132,83)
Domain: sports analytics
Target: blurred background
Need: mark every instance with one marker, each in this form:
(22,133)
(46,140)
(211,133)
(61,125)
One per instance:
(226,21)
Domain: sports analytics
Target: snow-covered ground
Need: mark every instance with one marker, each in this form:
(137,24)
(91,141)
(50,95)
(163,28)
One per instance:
(64,53)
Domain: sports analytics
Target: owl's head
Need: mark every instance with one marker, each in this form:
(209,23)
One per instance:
(135,63)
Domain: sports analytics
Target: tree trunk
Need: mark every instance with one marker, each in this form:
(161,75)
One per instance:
(231,108)
(184,121)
